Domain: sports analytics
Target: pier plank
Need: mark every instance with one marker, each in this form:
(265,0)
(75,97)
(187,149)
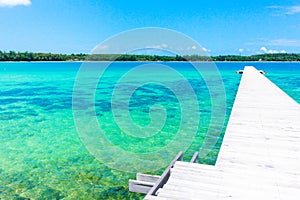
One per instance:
(260,154)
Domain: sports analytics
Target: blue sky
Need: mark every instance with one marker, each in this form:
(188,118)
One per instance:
(222,27)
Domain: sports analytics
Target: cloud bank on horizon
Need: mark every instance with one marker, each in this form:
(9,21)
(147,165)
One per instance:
(12,3)
(265,50)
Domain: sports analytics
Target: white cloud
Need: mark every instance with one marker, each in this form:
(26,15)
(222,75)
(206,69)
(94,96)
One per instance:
(265,50)
(241,50)
(158,46)
(12,3)
(291,10)
(194,47)
(273,51)
(285,10)
(285,42)
(280,42)
(205,49)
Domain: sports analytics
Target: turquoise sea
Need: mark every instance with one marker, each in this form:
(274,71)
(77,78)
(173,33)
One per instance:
(42,155)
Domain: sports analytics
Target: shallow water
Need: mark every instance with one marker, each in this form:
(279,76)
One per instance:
(42,155)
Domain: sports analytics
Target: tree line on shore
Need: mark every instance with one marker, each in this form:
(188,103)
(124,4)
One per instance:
(29,56)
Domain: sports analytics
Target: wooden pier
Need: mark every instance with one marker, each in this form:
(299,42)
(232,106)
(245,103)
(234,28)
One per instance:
(260,153)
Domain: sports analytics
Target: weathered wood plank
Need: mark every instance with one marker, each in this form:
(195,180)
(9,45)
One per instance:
(195,157)
(165,176)
(147,177)
(140,186)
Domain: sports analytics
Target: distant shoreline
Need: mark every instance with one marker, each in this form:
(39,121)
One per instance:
(150,61)
(12,56)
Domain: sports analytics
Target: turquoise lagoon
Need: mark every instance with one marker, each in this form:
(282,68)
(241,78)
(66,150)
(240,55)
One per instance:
(41,153)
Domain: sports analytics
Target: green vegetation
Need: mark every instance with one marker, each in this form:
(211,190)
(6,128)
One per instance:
(29,56)
(130,57)
(260,57)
